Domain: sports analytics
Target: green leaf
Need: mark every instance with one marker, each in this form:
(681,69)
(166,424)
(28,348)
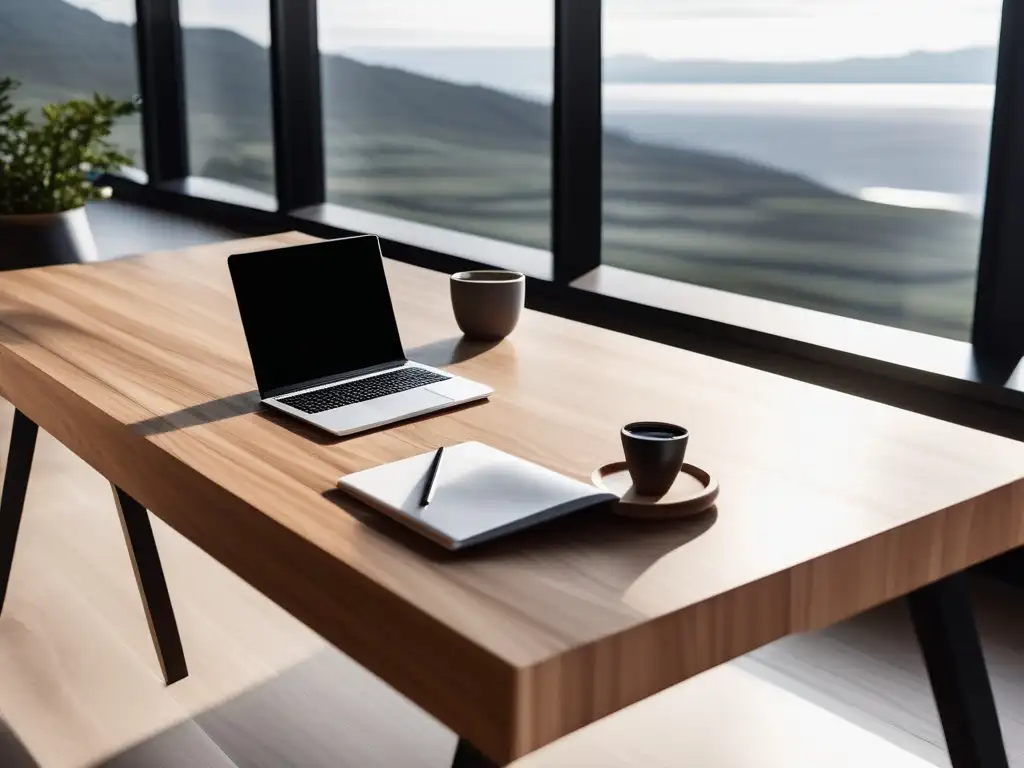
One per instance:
(45,166)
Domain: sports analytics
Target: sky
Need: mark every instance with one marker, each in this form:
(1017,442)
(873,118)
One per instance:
(750,30)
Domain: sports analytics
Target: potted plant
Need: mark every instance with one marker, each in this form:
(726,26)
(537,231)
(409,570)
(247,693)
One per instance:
(46,174)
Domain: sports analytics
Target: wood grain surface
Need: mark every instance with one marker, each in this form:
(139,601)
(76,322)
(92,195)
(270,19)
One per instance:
(80,686)
(829,504)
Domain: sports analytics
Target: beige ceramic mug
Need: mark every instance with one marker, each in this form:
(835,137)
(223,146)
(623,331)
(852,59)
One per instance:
(487,302)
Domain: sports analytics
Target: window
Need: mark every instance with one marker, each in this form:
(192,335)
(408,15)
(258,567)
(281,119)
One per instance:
(61,50)
(227,88)
(801,151)
(439,112)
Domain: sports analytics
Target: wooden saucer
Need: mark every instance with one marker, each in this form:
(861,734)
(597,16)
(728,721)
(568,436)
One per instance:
(693,492)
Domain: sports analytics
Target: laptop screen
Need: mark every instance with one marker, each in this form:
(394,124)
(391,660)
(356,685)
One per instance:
(312,312)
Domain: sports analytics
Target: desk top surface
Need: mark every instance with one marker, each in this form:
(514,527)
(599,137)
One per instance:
(829,504)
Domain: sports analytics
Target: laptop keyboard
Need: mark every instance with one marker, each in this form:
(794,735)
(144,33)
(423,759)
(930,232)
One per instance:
(361,390)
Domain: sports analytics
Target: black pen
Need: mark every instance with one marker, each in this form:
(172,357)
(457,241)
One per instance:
(435,467)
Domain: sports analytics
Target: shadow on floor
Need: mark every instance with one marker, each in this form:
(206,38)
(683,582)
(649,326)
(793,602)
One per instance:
(326,712)
(12,752)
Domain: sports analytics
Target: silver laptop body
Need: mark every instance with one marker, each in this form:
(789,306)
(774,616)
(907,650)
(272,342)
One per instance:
(324,340)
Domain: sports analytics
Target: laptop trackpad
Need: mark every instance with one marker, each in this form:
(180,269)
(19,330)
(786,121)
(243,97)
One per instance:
(404,404)
(400,406)
(383,409)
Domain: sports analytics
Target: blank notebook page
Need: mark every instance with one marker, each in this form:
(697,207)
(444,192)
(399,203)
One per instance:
(480,493)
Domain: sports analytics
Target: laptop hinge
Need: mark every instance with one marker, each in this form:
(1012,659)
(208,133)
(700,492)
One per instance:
(332,379)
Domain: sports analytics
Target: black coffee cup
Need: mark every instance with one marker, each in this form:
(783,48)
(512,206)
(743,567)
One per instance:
(654,455)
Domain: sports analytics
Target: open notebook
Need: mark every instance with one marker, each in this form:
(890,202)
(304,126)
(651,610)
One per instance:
(480,493)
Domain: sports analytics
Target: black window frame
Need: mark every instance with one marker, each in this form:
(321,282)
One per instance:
(843,353)
(998,326)
(161,66)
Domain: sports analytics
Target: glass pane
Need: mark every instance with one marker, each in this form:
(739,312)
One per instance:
(830,154)
(227,88)
(439,111)
(61,50)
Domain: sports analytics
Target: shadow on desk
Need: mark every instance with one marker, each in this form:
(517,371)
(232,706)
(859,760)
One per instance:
(227,408)
(204,413)
(16,324)
(321,437)
(249,402)
(633,545)
(451,351)
(441,353)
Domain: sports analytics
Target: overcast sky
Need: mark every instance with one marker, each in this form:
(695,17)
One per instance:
(794,30)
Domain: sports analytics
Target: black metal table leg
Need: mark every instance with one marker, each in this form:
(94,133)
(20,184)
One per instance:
(944,624)
(12,502)
(468,756)
(149,574)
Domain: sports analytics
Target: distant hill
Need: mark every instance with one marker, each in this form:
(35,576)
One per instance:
(970,65)
(478,160)
(54,46)
(511,69)
(49,43)
(526,68)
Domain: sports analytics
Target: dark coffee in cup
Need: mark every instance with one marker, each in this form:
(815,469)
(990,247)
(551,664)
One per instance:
(656,432)
(654,453)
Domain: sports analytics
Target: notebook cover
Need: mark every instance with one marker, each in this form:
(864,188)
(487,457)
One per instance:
(480,493)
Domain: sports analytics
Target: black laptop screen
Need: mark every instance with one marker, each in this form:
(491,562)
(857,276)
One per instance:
(315,311)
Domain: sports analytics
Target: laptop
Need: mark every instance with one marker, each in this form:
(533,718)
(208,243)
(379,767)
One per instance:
(324,341)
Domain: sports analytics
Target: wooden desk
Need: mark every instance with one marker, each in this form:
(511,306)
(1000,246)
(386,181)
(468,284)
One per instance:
(829,504)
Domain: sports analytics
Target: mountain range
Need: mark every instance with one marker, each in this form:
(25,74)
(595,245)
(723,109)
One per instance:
(478,160)
(528,68)
(969,65)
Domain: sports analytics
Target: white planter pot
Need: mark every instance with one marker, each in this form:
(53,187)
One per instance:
(42,239)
